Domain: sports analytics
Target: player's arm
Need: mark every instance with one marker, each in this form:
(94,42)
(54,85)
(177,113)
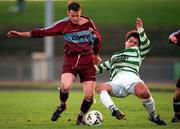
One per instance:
(56,29)
(96,48)
(53,30)
(175,38)
(105,66)
(96,42)
(144,41)
(14,33)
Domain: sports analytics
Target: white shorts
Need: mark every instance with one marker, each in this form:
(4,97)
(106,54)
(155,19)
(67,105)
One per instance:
(123,84)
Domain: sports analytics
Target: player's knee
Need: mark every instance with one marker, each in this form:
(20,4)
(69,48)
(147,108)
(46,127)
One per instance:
(65,88)
(142,91)
(100,88)
(104,87)
(144,94)
(89,96)
(89,93)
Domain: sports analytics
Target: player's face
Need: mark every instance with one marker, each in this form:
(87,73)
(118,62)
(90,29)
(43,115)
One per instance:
(74,16)
(131,42)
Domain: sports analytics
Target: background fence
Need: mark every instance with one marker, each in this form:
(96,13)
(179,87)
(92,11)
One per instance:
(113,19)
(152,69)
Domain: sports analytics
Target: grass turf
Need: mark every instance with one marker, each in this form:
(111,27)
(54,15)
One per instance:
(31,109)
(113,12)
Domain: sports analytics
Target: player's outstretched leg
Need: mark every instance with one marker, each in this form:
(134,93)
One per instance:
(142,92)
(157,120)
(150,107)
(108,102)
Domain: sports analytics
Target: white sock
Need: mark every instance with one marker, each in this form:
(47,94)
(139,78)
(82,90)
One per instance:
(150,106)
(107,101)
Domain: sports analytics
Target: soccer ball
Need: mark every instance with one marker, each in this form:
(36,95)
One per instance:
(94,118)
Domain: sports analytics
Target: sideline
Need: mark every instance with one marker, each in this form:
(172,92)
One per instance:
(29,85)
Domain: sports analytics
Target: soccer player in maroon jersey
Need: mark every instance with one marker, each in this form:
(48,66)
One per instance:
(174,38)
(81,51)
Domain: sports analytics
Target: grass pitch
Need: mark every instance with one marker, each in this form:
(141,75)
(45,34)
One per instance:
(32,109)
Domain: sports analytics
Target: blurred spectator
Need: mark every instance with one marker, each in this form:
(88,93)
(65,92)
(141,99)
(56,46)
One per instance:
(20,5)
(19,8)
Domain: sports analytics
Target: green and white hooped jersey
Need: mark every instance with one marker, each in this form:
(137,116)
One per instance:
(129,59)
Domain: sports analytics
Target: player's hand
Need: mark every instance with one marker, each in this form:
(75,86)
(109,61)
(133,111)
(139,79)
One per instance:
(13,34)
(96,59)
(91,29)
(18,34)
(173,39)
(139,23)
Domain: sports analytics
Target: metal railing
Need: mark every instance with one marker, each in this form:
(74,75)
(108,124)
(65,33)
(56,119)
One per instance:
(153,69)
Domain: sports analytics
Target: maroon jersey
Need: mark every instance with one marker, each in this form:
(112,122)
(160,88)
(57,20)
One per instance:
(79,39)
(177,35)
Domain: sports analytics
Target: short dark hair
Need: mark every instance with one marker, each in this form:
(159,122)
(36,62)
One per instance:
(133,33)
(75,6)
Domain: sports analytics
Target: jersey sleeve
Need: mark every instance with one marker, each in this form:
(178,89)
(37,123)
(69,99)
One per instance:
(53,30)
(145,43)
(105,66)
(98,40)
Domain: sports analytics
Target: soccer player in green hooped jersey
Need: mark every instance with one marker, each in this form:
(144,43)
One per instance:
(124,75)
